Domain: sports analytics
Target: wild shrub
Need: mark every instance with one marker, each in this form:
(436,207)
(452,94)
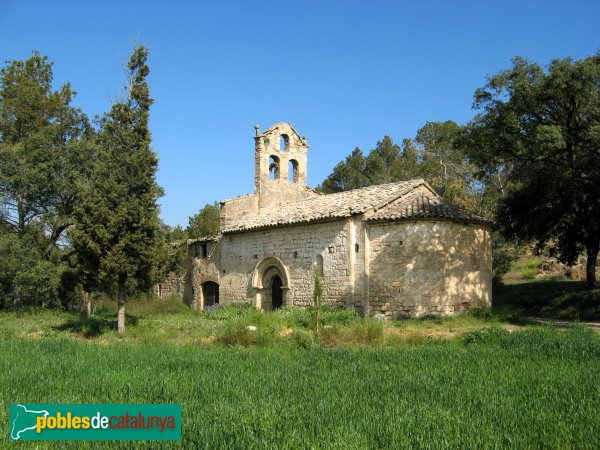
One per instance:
(305,317)
(102,302)
(331,335)
(485,335)
(304,339)
(237,333)
(250,329)
(226,312)
(296,317)
(366,331)
(141,305)
(92,327)
(340,316)
(481,312)
(146,305)
(317,297)
(530,268)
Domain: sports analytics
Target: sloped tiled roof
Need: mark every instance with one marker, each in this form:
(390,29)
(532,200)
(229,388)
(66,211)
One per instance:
(382,202)
(209,238)
(424,204)
(323,207)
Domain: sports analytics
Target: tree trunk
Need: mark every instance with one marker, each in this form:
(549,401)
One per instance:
(87,303)
(121,313)
(590,270)
(17,295)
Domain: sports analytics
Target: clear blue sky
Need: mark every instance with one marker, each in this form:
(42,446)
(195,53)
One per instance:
(344,73)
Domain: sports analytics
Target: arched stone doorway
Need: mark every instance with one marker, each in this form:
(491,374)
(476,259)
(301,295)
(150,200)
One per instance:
(276,293)
(210,294)
(270,281)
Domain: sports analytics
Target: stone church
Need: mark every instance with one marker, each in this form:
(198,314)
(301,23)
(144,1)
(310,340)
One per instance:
(396,249)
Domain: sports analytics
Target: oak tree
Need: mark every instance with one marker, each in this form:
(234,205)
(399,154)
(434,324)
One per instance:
(541,129)
(45,148)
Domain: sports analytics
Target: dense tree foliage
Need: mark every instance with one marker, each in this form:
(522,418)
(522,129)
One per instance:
(432,155)
(45,148)
(348,174)
(385,163)
(539,131)
(117,226)
(445,166)
(42,153)
(26,277)
(170,251)
(204,223)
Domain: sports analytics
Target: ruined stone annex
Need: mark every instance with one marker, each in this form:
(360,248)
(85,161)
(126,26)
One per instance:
(392,250)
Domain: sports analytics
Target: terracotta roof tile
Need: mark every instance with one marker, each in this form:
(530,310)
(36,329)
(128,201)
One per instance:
(424,204)
(392,201)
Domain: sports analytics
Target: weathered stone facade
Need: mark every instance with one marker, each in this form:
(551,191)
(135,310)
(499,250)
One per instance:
(434,267)
(394,250)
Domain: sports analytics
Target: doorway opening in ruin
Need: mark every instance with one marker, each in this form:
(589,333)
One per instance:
(276,293)
(210,293)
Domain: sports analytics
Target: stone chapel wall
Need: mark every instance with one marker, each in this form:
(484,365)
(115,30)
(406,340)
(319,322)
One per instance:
(428,267)
(297,246)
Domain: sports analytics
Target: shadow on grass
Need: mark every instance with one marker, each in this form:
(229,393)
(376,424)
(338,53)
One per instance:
(90,327)
(555,299)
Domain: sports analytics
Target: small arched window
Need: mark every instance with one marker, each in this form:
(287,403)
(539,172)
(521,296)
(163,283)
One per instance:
(293,171)
(284,142)
(273,167)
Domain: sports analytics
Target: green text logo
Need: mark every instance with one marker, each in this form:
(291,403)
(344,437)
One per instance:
(95,422)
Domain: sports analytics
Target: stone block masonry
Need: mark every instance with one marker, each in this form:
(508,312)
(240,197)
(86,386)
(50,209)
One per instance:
(428,267)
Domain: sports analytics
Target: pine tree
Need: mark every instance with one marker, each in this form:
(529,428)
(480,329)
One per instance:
(117,220)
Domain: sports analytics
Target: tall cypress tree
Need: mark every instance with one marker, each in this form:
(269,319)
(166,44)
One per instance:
(117,221)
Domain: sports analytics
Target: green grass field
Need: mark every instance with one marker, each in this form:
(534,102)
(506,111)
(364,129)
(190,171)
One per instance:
(488,379)
(537,387)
